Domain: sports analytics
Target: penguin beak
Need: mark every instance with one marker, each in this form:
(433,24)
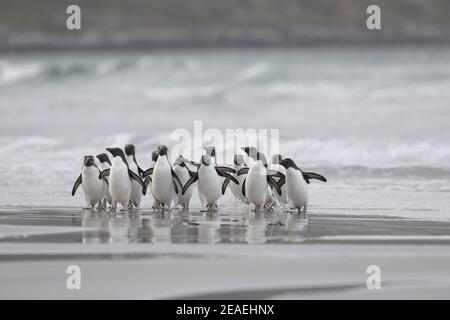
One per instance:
(162,150)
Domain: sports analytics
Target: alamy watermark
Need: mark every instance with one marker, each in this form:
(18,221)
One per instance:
(374,279)
(73,281)
(228,143)
(373,21)
(73,21)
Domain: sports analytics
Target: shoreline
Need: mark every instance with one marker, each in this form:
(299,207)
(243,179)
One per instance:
(245,44)
(234,255)
(234,271)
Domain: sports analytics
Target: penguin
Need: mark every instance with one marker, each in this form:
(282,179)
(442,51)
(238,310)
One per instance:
(106,164)
(147,175)
(209,185)
(211,151)
(297,182)
(282,198)
(257,186)
(163,180)
(91,183)
(184,174)
(120,179)
(136,189)
(236,189)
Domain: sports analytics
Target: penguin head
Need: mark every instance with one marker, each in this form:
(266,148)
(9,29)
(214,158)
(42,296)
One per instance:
(252,152)
(89,161)
(288,163)
(179,161)
(211,151)
(155,155)
(238,159)
(162,150)
(103,157)
(130,150)
(117,152)
(276,158)
(255,155)
(206,160)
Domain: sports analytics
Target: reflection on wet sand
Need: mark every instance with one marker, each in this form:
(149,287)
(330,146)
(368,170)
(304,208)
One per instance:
(191,227)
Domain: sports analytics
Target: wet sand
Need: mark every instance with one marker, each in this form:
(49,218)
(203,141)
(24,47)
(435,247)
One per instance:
(230,255)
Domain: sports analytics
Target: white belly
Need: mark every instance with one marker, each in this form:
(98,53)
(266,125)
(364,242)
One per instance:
(184,176)
(209,184)
(270,198)
(136,193)
(236,190)
(92,185)
(162,184)
(106,194)
(119,183)
(256,185)
(136,188)
(297,189)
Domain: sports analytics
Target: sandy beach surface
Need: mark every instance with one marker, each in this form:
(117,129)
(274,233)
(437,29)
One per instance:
(231,255)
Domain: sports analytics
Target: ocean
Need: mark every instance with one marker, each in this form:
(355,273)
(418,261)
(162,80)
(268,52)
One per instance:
(373,121)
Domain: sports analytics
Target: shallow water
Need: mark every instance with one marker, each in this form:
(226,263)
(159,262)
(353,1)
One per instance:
(238,226)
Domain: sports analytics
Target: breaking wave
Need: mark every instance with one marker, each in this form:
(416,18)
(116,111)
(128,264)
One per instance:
(368,154)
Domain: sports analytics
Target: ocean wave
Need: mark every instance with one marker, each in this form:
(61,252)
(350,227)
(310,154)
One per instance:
(395,158)
(367,153)
(14,72)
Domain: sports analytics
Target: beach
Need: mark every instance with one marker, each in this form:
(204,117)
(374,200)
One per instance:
(373,121)
(230,255)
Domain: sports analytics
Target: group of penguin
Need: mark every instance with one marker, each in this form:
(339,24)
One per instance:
(123,182)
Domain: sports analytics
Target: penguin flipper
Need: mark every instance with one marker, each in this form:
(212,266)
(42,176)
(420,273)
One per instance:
(243,171)
(174,175)
(104,174)
(312,175)
(196,164)
(227,175)
(188,183)
(226,169)
(276,174)
(191,173)
(76,185)
(225,185)
(106,180)
(281,182)
(175,187)
(243,187)
(274,184)
(136,177)
(147,172)
(147,181)
(140,171)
